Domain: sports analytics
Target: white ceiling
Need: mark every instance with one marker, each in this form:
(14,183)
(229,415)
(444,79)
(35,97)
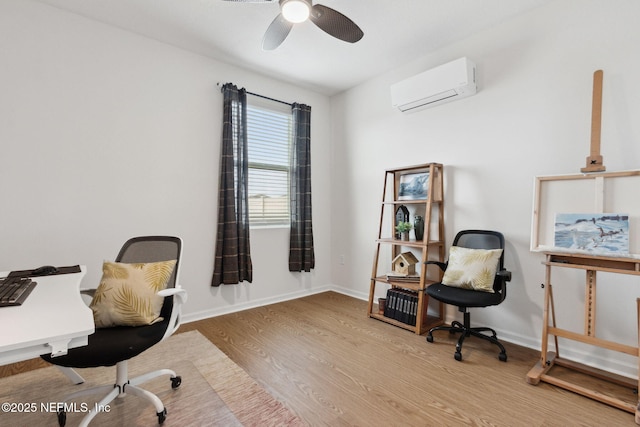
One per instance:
(395,32)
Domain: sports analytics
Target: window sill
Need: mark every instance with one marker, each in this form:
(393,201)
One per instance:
(269,226)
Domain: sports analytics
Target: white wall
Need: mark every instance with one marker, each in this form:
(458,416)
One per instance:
(531,117)
(105,135)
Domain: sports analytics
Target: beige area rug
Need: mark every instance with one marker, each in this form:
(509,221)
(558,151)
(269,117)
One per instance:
(214,392)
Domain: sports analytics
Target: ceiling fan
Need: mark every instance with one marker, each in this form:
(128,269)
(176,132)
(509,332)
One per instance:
(293,12)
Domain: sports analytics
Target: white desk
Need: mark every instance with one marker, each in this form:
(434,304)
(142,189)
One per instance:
(52,319)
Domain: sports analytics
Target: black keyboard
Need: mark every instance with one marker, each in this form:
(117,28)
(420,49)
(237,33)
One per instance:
(14,290)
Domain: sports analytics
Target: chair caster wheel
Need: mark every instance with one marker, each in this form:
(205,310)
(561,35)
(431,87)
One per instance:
(62,418)
(162,416)
(175,382)
(458,356)
(502,357)
(429,338)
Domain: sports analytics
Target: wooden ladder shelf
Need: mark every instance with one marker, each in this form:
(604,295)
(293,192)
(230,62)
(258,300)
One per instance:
(429,247)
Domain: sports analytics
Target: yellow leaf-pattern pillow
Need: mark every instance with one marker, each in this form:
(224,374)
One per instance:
(127,294)
(472,268)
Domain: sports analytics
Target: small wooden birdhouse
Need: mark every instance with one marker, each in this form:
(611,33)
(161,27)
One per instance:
(404,264)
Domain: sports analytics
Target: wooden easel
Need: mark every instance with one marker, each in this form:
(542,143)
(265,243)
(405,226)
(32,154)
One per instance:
(594,161)
(591,264)
(548,359)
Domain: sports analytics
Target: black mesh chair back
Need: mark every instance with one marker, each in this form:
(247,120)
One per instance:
(154,249)
(479,239)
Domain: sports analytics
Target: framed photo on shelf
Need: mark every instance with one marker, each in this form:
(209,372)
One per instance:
(413,186)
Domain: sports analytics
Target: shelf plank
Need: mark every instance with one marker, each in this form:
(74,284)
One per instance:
(410,202)
(424,166)
(412,243)
(431,322)
(411,285)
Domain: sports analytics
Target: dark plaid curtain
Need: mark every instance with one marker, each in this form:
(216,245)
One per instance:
(233,259)
(301,255)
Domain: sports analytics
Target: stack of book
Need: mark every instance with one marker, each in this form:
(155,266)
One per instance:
(402,305)
(394,277)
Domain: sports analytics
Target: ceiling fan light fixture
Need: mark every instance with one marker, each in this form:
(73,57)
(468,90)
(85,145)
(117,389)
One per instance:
(295,11)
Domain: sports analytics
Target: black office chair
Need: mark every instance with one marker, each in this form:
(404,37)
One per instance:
(466,298)
(116,345)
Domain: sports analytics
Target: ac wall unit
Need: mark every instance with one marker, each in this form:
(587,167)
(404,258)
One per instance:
(445,83)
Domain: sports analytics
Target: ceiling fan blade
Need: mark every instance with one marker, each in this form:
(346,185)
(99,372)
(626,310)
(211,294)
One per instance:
(276,33)
(336,24)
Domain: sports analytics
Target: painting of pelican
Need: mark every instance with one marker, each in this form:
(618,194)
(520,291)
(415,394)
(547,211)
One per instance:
(600,233)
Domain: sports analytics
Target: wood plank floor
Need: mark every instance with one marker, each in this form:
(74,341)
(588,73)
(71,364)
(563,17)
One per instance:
(332,365)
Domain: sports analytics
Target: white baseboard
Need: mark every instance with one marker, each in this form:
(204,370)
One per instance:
(205,314)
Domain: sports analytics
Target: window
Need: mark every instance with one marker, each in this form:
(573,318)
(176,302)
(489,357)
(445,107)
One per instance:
(269,136)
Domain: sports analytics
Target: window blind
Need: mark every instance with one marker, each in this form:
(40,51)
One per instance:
(268,138)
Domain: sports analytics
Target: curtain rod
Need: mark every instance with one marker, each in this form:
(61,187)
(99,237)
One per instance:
(261,96)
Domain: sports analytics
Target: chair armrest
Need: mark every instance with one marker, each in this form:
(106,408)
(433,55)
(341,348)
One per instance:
(442,265)
(179,298)
(177,293)
(505,275)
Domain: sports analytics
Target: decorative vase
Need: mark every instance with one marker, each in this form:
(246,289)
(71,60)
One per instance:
(418,226)
(405,235)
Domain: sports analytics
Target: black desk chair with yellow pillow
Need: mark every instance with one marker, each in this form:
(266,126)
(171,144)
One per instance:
(474,276)
(137,305)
